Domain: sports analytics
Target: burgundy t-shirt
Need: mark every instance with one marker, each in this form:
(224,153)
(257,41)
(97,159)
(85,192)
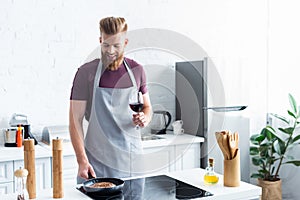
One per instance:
(83,82)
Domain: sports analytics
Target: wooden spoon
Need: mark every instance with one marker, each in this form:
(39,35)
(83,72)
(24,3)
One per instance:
(233,144)
(219,140)
(225,143)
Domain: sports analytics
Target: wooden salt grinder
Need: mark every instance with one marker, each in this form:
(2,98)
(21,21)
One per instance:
(57,168)
(29,164)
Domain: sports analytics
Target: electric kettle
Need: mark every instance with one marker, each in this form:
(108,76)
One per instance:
(161,119)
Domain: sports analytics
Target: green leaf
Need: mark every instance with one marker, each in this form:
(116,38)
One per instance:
(296,138)
(288,130)
(290,157)
(257,138)
(254,151)
(279,147)
(257,176)
(281,118)
(295,162)
(292,114)
(257,161)
(293,103)
(269,132)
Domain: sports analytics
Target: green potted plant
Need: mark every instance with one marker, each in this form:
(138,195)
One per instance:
(270,150)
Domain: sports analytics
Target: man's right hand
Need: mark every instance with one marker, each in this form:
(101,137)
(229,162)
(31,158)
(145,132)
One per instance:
(85,170)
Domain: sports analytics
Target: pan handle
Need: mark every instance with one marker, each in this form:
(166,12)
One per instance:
(90,175)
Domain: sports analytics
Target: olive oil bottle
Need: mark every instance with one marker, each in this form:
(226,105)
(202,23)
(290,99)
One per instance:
(210,177)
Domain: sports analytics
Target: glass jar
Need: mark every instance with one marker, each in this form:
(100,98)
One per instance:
(21,175)
(210,177)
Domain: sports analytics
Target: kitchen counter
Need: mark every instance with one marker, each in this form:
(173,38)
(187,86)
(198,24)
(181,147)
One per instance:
(44,150)
(17,153)
(171,139)
(192,176)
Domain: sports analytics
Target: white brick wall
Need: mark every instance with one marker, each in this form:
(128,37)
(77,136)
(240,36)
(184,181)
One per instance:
(43,42)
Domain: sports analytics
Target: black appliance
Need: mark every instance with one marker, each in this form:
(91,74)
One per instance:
(161,119)
(153,188)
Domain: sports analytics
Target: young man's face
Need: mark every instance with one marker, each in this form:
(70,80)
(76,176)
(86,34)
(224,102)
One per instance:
(112,48)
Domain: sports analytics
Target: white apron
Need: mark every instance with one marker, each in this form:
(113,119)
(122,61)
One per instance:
(112,143)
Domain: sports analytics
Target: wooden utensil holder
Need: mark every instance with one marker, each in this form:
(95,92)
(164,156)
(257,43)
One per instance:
(232,171)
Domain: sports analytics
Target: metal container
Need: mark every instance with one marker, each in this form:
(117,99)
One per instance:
(10,137)
(59,131)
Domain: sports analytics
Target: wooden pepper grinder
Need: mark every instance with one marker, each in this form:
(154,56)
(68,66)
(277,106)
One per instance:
(57,168)
(29,164)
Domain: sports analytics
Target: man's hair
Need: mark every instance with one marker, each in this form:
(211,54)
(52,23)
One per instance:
(113,25)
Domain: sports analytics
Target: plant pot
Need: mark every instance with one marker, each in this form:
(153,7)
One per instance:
(271,190)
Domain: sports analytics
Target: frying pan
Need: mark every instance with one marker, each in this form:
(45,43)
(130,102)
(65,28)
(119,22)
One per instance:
(118,188)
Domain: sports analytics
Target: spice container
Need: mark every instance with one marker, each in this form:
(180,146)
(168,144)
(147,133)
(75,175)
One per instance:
(19,136)
(21,175)
(210,177)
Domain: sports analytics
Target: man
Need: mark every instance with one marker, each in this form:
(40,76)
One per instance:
(100,93)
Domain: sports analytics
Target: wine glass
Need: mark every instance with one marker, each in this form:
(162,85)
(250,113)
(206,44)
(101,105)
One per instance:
(136,104)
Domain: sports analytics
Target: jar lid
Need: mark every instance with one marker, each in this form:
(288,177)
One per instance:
(21,172)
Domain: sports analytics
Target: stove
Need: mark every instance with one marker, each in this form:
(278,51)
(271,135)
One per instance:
(153,188)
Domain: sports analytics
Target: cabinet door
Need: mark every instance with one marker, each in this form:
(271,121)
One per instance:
(158,159)
(6,171)
(42,172)
(187,156)
(6,188)
(6,177)
(70,167)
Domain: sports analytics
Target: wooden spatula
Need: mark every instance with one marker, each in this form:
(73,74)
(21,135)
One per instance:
(233,144)
(223,144)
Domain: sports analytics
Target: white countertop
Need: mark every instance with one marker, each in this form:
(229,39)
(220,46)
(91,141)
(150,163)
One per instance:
(171,139)
(17,153)
(44,150)
(193,177)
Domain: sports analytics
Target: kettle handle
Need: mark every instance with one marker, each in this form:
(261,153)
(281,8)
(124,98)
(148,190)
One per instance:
(169,119)
(165,113)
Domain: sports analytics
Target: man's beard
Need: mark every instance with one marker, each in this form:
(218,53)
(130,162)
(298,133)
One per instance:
(114,65)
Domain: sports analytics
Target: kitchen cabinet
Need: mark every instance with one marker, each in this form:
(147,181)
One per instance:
(42,172)
(70,168)
(158,159)
(6,177)
(6,188)
(8,180)
(187,156)
(171,158)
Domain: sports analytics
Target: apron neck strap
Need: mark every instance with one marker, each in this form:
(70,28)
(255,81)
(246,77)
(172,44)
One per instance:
(100,71)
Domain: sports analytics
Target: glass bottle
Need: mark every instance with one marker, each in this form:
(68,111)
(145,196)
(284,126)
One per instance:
(210,177)
(21,175)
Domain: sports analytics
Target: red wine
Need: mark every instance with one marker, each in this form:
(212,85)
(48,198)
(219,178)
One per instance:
(136,107)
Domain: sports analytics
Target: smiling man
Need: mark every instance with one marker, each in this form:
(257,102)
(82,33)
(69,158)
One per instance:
(100,93)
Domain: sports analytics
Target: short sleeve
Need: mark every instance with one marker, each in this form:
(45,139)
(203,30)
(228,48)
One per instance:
(143,86)
(80,86)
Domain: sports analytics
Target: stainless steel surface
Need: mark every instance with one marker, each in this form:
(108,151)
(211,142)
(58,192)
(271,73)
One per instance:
(10,137)
(17,119)
(151,137)
(226,109)
(52,132)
